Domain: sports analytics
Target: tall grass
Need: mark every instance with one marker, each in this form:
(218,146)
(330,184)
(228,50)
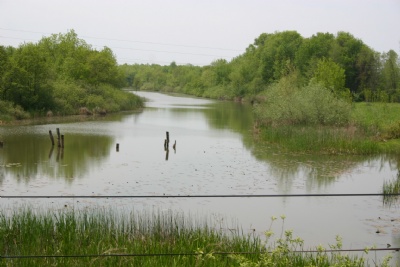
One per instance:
(390,189)
(320,139)
(105,233)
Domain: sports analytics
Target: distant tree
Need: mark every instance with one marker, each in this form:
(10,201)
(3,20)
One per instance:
(312,50)
(345,52)
(368,65)
(331,76)
(102,68)
(390,72)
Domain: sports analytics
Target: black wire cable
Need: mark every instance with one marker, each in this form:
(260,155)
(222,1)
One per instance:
(205,196)
(188,254)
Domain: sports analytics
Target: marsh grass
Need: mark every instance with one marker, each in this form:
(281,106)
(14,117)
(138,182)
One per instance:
(320,139)
(102,232)
(105,232)
(390,189)
(374,128)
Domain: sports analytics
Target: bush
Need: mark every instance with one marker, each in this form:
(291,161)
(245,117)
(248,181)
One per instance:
(9,112)
(70,97)
(314,104)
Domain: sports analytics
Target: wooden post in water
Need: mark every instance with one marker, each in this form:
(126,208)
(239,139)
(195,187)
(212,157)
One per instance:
(58,137)
(62,141)
(51,138)
(117,147)
(167,139)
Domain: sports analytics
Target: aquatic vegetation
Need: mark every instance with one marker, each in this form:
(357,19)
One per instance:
(391,191)
(105,238)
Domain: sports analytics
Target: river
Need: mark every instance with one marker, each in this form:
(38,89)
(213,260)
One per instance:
(215,154)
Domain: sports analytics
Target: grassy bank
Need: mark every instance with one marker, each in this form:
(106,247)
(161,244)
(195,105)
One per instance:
(104,233)
(372,128)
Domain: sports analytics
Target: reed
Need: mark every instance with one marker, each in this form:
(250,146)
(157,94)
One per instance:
(390,190)
(320,139)
(106,233)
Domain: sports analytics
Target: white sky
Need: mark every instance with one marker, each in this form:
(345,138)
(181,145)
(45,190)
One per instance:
(195,31)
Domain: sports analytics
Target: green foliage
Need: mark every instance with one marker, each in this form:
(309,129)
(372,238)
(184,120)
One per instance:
(9,112)
(62,73)
(337,61)
(379,120)
(331,76)
(289,104)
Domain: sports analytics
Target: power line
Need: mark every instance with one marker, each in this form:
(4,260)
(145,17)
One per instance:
(139,49)
(133,41)
(202,196)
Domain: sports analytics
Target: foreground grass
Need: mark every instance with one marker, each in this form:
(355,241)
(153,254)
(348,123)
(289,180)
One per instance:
(374,128)
(104,235)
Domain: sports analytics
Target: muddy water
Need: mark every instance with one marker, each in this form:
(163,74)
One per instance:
(215,154)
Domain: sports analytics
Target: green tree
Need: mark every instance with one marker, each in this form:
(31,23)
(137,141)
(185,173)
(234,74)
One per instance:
(345,52)
(331,76)
(313,49)
(102,68)
(26,82)
(391,73)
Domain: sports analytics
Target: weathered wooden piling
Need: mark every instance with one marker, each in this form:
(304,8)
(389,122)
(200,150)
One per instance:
(167,139)
(51,137)
(58,137)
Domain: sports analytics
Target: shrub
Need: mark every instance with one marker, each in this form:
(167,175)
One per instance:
(290,104)
(9,112)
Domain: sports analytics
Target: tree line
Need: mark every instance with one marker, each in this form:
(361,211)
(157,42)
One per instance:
(63,74)
(60,74)
(341,62)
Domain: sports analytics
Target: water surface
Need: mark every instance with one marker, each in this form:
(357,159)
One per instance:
(215,155)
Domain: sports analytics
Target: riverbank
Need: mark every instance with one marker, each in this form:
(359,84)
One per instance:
(373,128)
(123,101)
(102,237)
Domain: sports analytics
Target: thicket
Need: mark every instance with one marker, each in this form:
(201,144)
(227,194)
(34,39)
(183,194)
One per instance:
(62,75)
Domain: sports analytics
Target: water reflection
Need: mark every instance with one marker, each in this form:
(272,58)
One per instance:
(26,156)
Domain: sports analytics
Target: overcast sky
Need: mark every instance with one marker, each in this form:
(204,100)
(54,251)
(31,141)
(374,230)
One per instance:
(195,31)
